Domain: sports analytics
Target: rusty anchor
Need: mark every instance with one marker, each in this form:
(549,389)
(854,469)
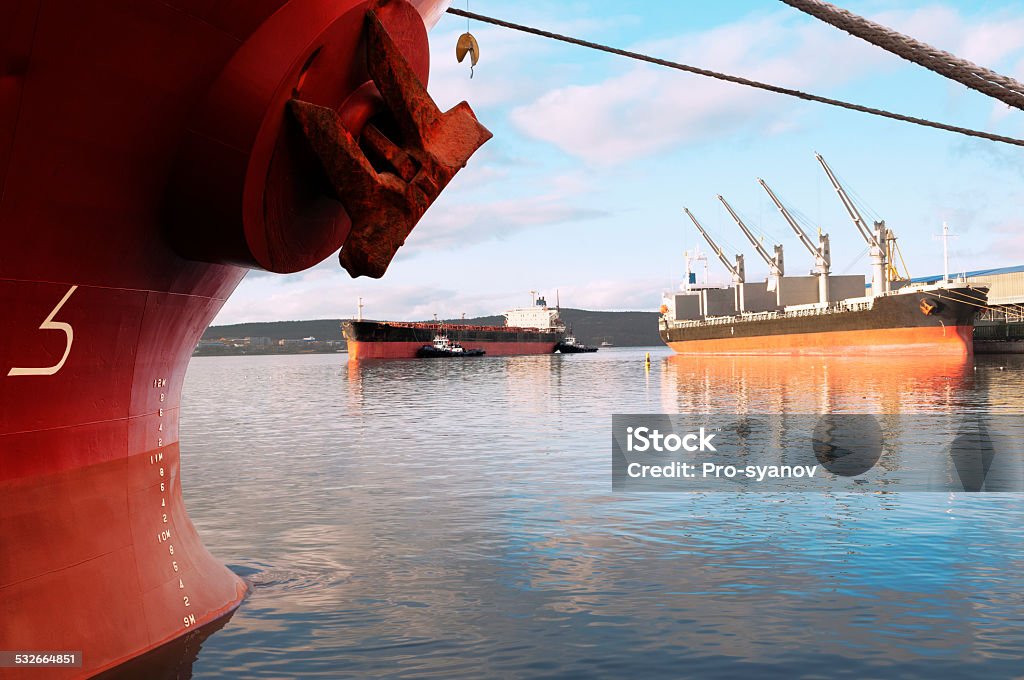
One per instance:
(384,206)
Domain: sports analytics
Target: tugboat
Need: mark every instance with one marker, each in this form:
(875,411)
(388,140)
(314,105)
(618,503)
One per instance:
(443,347)
(570,345)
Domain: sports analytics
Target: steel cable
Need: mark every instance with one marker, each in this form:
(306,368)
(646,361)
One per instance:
(737,79)
(968,73)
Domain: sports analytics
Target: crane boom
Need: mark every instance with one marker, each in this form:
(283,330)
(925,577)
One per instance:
(822,253)
(878,240)
(861,225)
(775,264)
(735,269)
(800,233)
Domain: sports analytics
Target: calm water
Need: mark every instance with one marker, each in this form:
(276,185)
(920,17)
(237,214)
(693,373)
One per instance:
(455,519)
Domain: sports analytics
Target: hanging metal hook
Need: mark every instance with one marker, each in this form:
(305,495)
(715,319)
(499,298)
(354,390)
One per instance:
(467,44)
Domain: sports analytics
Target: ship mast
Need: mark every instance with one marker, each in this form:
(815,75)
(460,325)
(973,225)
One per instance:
(695,256)
(775,267)
(822,252)
(877,240)
(737,270)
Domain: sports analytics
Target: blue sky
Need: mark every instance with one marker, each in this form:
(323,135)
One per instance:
(594,156)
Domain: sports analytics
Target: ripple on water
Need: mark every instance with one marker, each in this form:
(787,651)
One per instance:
(455,519)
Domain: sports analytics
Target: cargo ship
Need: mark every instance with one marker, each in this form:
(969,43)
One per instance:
(924,320)
(537,329)
(820,313)
(152,151)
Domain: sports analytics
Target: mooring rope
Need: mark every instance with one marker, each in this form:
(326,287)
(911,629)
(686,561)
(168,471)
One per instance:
(736,79)
(968,73)
(972,301)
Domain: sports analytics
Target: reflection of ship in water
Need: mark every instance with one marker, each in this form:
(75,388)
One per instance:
(795,384)
(937,414)
(534,383)
(999,376)
(172,661)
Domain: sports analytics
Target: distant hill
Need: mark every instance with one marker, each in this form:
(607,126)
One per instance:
(321,329)
(623,329)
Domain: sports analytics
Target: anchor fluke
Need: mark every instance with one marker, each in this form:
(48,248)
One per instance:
(388,177)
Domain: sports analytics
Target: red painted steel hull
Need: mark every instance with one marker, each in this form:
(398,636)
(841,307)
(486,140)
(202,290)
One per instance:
(98,106)
(407,350)
(909,323)
(954,341)
(401,340)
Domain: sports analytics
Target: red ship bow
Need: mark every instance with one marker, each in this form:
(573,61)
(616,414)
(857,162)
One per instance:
(150,152)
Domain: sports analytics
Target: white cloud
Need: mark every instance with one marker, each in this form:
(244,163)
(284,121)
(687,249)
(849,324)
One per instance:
(633,294)
(334,295)
(647,108)
(1007,246)
(460,225)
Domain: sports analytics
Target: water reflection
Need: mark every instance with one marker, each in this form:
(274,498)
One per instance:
(172,661)
(455,519)
(818,384)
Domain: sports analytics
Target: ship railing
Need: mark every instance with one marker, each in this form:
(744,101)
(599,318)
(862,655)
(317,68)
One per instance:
(434,325)
(754,317)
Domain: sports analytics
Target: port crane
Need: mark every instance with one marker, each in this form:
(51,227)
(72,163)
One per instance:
(774,262)
(821,253)
(878,240)
(737,270)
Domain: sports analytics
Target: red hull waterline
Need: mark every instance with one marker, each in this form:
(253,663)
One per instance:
(954,341)
(146,162)
(407,350)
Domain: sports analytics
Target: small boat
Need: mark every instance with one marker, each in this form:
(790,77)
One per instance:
(570,345)
(605,343)
(443,347)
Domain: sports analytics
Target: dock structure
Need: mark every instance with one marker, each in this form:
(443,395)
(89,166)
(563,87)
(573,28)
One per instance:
(1000,324)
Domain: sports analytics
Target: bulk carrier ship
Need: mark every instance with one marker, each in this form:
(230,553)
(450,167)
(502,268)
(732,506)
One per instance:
(151,151)
(820,313)
(528,330)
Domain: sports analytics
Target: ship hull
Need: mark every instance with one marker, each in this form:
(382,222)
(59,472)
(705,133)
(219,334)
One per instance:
(106,111)
(892,325)
(952,340)
(108,563)
(383,340)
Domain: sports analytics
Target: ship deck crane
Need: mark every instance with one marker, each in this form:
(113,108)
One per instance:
(774,262)
(877,240)
(822,252)
(737,270)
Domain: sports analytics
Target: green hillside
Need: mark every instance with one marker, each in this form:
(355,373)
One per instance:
(622,329)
